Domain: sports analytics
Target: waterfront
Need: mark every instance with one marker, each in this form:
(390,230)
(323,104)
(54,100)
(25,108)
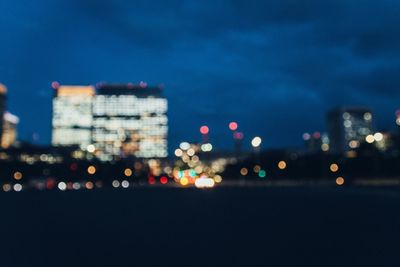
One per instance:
(295,226)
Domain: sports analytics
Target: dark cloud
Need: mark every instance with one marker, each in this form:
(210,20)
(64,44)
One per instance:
(275,66)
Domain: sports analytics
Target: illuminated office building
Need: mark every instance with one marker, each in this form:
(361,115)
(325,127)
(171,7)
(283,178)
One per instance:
(129,120)
(348,127)
(9,136)
(72,115)
(3,94)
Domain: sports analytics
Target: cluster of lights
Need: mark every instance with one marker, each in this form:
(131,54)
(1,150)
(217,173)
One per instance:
(375,137)
(206,147)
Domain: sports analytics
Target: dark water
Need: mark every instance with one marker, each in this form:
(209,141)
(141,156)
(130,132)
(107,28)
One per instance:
(297,226)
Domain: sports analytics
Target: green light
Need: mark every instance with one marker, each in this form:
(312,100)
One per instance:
(192,173)
(262,173)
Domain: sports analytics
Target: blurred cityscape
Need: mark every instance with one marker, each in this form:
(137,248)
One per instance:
(116,136)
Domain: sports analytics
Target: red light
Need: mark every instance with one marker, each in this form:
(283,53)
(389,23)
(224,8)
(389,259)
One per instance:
(398,113)
(317,135)
(50,183)
(55,85)
(233,126)
(204,130)
(163,180)
(238,135)
(152,180)
(73,167)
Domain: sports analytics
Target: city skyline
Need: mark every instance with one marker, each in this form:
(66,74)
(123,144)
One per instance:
(219,63)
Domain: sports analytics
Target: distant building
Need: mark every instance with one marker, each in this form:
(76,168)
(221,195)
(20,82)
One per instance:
(130,120)
(72,115)
(112,120)
(9,136)
(3,94)
(316,142)
(348,127)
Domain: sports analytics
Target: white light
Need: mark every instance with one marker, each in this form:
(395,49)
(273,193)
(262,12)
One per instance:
(125,184)
(115,183)
(204,182)
(378,137)
(17,187)
(62,186)
(76,186)
(184,146)
(256,142)
(91,148)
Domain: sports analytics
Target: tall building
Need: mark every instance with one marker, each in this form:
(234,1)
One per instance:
(3,94)
(129,120)
(72,115)
(348,127)
(10,123)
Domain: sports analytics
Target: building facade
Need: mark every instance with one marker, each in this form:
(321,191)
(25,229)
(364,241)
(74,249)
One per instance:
(348,127)
(130,120)
(113,120)
(72,115)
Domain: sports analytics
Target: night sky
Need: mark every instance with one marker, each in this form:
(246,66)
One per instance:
(274,66)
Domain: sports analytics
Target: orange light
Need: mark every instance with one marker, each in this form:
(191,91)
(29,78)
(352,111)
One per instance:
(17,175)
(244,171)
(91,170)
(282,165)
(128,172)
(340,181)
(334,167)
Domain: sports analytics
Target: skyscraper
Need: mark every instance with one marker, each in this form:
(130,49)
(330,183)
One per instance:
(348,127)
(130,120)
(10,123)
(72,115)
(3,94)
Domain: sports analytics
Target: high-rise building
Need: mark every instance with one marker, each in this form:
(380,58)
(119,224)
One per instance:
(10,123)
(72,115)
(3,94)
(129,120)
(348,127)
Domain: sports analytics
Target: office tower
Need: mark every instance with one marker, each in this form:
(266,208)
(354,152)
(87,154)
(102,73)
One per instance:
(72,115)
(10,123)
(129,120)
(3,94)
(348,127)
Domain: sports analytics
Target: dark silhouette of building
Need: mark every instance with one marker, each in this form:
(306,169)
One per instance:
(348,127)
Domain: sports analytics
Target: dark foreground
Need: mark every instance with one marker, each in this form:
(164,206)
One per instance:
(296,226)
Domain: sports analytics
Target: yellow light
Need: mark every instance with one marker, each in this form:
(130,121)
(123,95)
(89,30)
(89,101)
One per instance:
(370,139)
(340,181)
(325,147)
(282,165)
(17,175)
(217,179)
(91,170)
(128,172)
(184,181)
(334,167)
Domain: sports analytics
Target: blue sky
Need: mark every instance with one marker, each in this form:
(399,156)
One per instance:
(275,67)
